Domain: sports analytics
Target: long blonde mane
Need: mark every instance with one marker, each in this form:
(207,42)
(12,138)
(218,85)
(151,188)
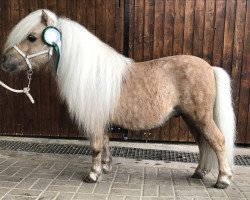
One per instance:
(90,74)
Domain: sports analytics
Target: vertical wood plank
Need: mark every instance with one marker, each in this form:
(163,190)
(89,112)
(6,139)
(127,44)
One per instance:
(110,22)
(169,27)
(158,30)
(135,135)
(219,33)
(199,28)
(148,30)
(229,35)
(138,30)
(243,111)
(237,52)
(209,31)
(80,10)
(90,15)
(179,27)
(33,5)
(246,66)
(100,19)
(131,28)
(245,84)
(61,8)
(189,28)
(71,9)
(119,25)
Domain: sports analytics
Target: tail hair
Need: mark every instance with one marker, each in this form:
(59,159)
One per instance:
(225,120)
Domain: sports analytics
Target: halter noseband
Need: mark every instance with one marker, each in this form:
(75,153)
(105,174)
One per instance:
(29,71)
(27,57)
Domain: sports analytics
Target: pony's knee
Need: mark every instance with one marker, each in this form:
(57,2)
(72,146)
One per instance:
(96,152)
(96,145)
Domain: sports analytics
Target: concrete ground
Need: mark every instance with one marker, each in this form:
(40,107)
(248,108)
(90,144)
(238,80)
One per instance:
(28,176)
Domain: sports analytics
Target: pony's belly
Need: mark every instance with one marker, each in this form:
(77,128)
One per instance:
(147,118)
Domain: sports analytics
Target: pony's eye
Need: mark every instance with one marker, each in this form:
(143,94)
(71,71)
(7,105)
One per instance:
(31,38)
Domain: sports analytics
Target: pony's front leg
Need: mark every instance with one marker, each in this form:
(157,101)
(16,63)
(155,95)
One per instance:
(106,155)
(96,144)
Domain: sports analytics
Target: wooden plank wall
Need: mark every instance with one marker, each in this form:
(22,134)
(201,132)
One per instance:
(218,31)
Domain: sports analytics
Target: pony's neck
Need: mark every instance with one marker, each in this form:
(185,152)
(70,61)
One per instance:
(90,76)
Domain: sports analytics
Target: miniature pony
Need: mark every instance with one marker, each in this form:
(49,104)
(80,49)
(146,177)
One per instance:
(102,87)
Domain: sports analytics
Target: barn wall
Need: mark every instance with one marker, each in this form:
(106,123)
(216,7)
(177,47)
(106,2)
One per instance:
(218,31)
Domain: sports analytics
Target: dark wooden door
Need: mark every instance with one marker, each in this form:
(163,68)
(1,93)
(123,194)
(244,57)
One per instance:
(218,31)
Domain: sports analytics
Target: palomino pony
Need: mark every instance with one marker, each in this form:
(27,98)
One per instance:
(102,87)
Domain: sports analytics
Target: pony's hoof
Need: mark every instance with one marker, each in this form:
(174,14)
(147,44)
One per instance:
(223,181)
(221,185)
(91,178)
(107,167)
(198,175)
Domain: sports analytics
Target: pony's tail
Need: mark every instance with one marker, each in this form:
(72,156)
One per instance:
(224,119)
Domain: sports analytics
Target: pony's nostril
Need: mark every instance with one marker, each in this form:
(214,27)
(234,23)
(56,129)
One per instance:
(4,59)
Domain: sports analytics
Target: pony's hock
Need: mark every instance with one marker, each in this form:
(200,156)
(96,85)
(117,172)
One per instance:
(102,87)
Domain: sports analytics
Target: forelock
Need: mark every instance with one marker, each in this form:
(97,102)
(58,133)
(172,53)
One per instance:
(25,26)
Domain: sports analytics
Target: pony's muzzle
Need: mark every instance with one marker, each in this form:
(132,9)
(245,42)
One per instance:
(3,62)
(8,66)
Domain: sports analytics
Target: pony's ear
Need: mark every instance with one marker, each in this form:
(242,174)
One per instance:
(46,20)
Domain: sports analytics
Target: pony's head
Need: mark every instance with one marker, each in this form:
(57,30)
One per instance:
(26,41)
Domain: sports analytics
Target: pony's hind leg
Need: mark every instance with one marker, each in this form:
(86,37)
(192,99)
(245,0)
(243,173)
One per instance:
(96,144)
(216,140)
(106,155)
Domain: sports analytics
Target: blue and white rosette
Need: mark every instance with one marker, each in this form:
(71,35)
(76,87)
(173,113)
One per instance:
(52,36)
